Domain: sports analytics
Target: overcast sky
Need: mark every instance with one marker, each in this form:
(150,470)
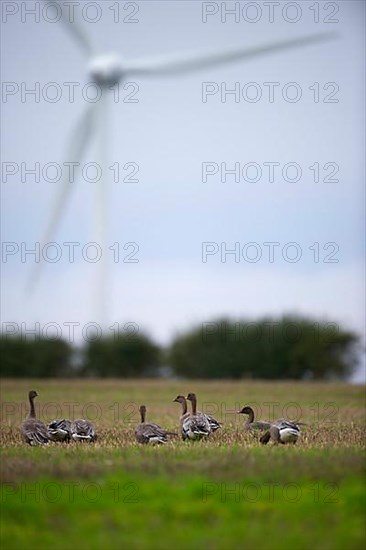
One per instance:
(168,132)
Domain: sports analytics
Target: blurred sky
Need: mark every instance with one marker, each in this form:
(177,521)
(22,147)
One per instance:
(169,132)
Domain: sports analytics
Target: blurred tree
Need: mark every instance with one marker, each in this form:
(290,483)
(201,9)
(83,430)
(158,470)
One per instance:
(34,358)
(289,347)
(125,356)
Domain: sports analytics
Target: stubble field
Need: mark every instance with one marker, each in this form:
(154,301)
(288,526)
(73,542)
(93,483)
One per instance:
(225,493)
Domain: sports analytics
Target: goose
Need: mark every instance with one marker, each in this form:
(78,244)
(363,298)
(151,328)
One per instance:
(282,431)
(34,432)
(214,424)
(150,433)
(193,426)
(83,430)
(60,430)
(250,424)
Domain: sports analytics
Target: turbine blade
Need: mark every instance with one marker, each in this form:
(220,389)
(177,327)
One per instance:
(101,211)
(189,61)
(75,152)
(69,19)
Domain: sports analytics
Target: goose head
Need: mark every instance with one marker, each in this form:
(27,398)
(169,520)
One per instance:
(249,411)
(179,399)
(246,410)
(191,397)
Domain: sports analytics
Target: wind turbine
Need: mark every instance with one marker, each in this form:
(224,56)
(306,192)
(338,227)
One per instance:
(107,70)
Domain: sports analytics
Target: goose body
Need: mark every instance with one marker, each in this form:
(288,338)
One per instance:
(193,426)
(60,430)
(282,431)
(34,431)
(83,430)
(147,432)
(212,422)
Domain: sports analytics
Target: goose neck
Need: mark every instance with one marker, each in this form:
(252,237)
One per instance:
(32,411)
(250,416)
(184,406)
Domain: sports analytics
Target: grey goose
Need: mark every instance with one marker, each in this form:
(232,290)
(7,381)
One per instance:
(146,432)
(280,431)
(214,424)
(34,432)
(192,426)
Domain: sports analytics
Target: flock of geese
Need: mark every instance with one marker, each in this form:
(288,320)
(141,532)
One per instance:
(194,425)
(35,432)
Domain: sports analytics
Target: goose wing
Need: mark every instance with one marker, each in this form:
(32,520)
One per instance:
(151,433)
(259,425)
(162,430)
(283,424)
(201,422)
(214,424)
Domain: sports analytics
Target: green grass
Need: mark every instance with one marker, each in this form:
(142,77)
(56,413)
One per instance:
(226,493)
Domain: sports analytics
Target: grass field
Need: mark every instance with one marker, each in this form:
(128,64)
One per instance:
(225,493)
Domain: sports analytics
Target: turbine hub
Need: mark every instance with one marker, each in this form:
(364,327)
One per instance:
(106,70)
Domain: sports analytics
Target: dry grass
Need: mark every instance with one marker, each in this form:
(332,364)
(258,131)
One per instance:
(327,467)
(334,412)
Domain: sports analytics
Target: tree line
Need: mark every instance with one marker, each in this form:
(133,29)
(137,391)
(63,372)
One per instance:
(271,348)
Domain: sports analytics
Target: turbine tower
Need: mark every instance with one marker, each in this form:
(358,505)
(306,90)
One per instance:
(106,71)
